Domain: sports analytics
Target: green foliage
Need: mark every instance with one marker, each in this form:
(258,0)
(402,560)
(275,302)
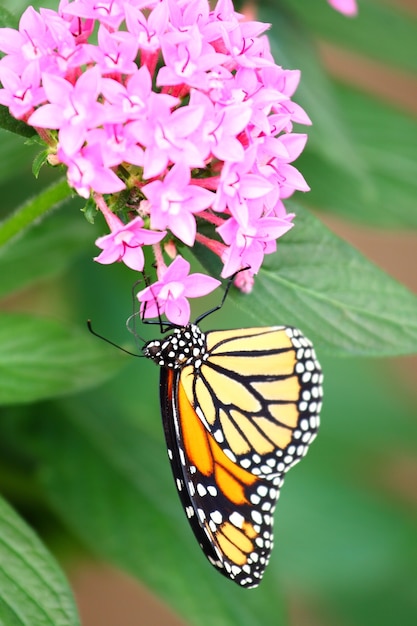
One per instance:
(354,309)
(386,147)
(39,161)
(26,215)
(33,589)
(46,250)
(93,453)
(382,31)
(42,358)
(7,122)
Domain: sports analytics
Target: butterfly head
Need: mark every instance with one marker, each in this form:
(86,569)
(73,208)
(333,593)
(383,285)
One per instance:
(184,346)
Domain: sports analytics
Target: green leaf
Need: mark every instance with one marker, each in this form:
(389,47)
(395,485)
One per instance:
(33,590)
(90,210)
(7,19)
(7,122)
(41,358)
(383,31)
(127,510)
(31,210)
(43,251)
(321,284)
(15,157)
(40,160)
(385,141)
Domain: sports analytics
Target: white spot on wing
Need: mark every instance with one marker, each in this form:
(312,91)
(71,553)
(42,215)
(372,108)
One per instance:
(237,519)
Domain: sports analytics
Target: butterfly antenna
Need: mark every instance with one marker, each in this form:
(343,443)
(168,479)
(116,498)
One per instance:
(163,326)
(112,343)
(131,320)
(226,291)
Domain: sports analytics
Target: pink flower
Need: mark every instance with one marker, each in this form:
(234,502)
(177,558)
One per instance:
(135,99)
(109,12)
(165,136)
(117,144)
(175,101)
(80,29)
(246,48)
(73,109)
(187,57)
(125,242)
(21,93)
(173,202)
(147,31)
(284,178)
(347,7)
(169,294)
(218,132)
(115,53)
(66,53)
(248,243)
(238,185)
(87,173)
(32,42)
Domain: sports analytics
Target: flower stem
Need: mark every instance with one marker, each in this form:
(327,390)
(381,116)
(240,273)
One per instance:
(215,246)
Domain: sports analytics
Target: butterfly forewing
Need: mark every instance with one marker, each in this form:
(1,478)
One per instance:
(259,394)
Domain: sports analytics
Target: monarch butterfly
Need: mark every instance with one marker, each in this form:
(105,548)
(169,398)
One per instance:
(239,408)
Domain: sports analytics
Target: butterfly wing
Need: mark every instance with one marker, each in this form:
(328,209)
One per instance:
(259,394)
(218,496)
(233,427)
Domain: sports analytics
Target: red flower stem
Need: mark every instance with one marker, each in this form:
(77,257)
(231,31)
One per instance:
(211,218)
(215,246)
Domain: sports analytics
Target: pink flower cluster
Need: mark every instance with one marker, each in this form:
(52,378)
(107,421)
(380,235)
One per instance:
(179,107)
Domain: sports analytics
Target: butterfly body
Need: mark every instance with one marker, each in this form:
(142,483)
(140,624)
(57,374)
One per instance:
(239,408)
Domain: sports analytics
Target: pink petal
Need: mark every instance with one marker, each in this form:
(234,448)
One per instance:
(177,271)
(197,285)
(57,89)
(229,149)
(178,311)
(236,118)
(71,138)
(11,41)
(294,143)
(347,7)
(254,186)
(106,181)
(184,227)
(185,120)
(47,116)
(293,178)
(134,258)
(109,255)
(232,262)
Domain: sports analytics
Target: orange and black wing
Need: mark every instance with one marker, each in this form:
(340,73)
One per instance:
(222,501)
(234,426)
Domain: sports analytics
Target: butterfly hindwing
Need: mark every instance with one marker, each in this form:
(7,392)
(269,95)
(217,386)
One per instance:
(218,496)
(168,383)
